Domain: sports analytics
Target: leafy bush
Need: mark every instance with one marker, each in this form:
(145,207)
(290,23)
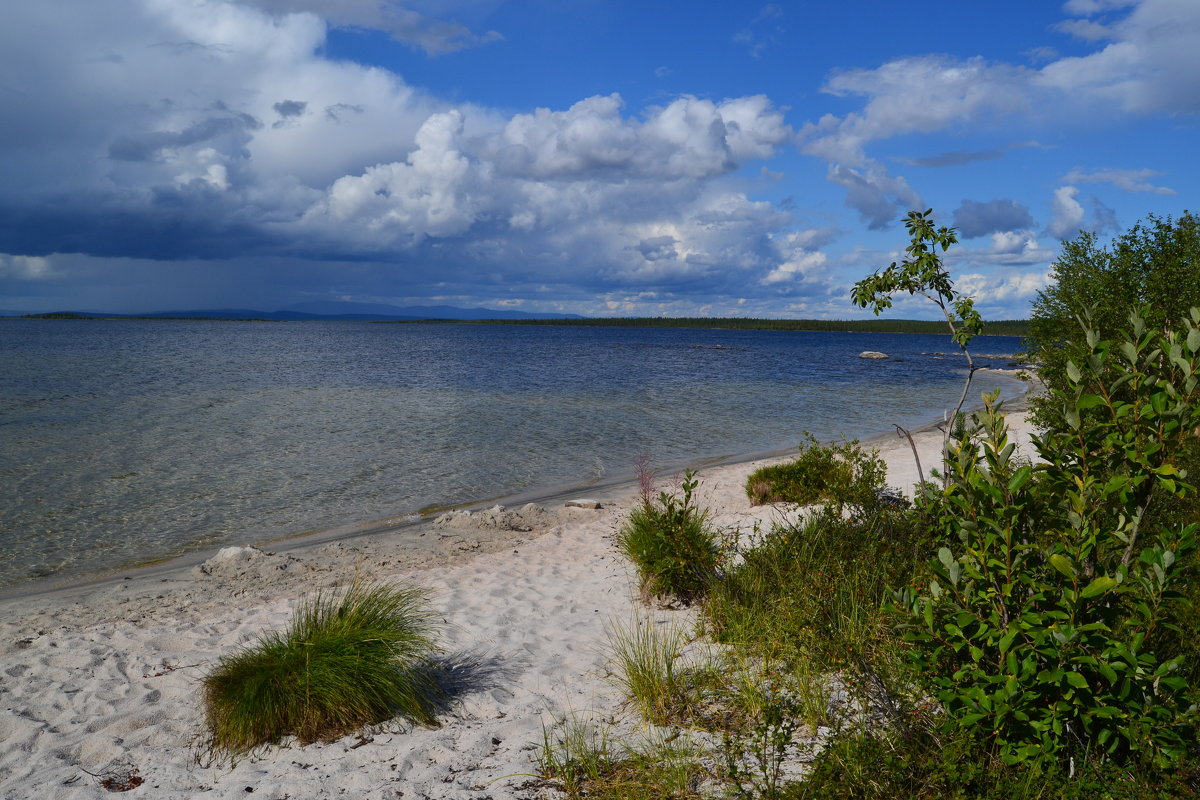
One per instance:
(1047,590)
(1152,269)
(925,764)
(671,543)
(343,663)
(842,474)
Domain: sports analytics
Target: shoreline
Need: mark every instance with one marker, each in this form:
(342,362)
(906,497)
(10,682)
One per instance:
(104,678)
(417,525)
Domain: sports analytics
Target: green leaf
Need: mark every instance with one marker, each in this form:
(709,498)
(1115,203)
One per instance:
(1098,586)
(1174,683)
(1077,680)
(1050,676)
(1063,564)
(1019,479)
(1106,712)
(945,556)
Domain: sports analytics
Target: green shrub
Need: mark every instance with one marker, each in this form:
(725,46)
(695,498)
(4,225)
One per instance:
(1048,590)
(672,545)
(926,764)
(345,662)
(754,754)
(1152,269)
(840,474)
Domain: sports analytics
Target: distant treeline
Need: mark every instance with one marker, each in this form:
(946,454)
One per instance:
(1007,327)
(1017,327)
(56,315)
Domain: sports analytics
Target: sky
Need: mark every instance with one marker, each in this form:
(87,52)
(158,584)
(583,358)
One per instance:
(595,157)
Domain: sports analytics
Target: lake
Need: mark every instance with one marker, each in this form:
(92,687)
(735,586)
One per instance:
(123,441)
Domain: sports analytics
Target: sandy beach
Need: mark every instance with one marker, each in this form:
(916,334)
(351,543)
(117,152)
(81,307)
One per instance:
(102,680)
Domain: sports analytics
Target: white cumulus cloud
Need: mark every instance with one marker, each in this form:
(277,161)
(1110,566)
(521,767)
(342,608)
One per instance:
(1131,180)
(1151,63)
(1067,211)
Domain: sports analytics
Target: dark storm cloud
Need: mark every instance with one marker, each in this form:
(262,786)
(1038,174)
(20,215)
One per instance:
(996,216)
(657,247)
(290,108)
(103,230)
(338,111)
(879,198)
(148,146)
(954,159)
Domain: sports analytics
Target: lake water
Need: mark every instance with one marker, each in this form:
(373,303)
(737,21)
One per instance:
(122,441)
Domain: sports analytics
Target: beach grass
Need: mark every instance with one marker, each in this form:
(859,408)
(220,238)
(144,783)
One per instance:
(582,760)
(346,661)
(647,662)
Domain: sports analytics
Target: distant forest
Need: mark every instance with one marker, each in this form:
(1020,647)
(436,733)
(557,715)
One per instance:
(1008,327)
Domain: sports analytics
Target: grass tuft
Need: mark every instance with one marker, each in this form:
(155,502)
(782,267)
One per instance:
(646,659)
(345,662)
(582,761)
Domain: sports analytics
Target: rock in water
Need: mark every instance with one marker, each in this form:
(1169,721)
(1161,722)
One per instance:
(872,354)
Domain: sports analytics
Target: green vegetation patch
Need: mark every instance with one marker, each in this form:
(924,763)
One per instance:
(842,474)
(670,541)
(345,662)
(1029,628)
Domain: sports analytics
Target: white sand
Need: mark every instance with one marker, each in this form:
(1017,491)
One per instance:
(104,678)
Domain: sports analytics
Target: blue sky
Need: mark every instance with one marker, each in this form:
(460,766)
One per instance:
(598,157)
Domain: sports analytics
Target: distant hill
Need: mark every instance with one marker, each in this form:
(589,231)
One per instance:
(337,308)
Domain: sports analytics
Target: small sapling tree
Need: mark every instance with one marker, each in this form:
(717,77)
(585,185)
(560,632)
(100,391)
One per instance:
(922,272)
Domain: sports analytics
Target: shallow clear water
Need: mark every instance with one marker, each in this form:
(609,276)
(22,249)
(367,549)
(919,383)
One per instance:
(122,441)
